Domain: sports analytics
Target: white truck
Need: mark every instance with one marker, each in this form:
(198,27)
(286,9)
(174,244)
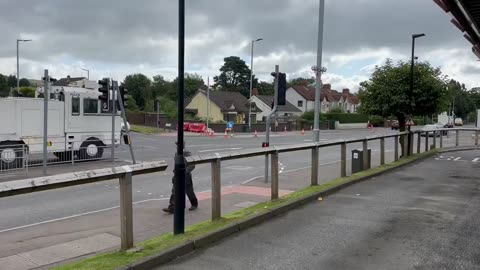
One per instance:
(76,125)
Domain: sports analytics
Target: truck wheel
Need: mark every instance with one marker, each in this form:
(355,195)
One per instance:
(92,148)
(11,155)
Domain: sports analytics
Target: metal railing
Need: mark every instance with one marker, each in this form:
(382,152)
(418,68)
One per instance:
(125,173)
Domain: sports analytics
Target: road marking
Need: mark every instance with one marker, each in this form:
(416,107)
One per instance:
(458,158)
(219,149)
(146,139)
(475,159)
(239,168)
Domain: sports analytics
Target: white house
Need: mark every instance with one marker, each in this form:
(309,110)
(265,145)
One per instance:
(301,97)
(81,82)
(264,103)
(304,99)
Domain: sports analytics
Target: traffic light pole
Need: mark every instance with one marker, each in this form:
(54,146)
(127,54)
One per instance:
(267,125)
(114,112)
(125,122)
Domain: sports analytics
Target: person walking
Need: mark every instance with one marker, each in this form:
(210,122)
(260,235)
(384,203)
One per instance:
(188,186)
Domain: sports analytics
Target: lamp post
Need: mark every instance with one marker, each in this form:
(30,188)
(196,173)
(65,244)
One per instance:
(412,64)
(318,72)
(88,73)
(251,86)
(18,64)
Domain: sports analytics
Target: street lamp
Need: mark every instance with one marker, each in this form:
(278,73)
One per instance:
(18,65)
(318,72)
(251,86)
(88,73)
(412,64)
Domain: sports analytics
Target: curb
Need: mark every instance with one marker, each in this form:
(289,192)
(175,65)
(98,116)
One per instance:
(209,238)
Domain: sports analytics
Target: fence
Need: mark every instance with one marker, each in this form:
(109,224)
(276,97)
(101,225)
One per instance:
(125,173)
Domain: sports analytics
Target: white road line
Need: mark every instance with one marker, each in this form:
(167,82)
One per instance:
(219,149)
(476,159)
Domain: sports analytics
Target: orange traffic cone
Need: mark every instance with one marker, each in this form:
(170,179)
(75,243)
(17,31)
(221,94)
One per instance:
(303,131)
(256,134)
(212,134)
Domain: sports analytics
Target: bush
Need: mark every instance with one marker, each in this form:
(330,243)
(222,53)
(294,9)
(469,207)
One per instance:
(337,110)
(310,115)
(377,121)
(347,117)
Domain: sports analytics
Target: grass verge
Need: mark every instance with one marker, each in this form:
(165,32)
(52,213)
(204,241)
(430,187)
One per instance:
(156,245)
(145,129)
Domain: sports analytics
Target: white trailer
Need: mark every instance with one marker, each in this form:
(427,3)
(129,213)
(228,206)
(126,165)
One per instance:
(76,124)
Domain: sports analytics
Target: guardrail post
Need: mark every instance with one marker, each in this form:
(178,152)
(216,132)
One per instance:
(126,211)
(216,190)
(343,158)
(73,155)
(426,141)
(365,154)
(314,172)
(476,137)
(396,147)
(457,137)
(441,139)
(382,151)
(274,161)
(419,142)
(434,140)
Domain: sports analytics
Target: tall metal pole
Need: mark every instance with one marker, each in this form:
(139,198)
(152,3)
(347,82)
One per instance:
(18,68)
(318,77)
(250,97)
(208,101)
(124,118)
(412,65)
(114,113)
(267,125)
(45,121)
(179,184)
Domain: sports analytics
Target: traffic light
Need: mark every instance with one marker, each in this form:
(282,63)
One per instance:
(123,95)
(282,89)
(104,89)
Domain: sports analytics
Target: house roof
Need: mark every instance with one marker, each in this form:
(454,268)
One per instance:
(67,81)
(288,107)
(327,93)
(306,92)
(230,101)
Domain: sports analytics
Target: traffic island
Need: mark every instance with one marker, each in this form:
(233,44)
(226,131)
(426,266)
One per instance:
(168,247)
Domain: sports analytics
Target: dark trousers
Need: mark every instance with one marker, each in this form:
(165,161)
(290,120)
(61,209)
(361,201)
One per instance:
(190,194)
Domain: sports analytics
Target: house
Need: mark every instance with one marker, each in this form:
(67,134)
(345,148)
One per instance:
(76,82)
(264,103)
(224,106)
(304,98)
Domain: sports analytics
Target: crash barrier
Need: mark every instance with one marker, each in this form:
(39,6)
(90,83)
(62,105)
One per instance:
(123,173)
(215,160)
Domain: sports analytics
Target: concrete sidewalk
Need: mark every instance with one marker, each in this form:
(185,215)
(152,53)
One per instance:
(424,216)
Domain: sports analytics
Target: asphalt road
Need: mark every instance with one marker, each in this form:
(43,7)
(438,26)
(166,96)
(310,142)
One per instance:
(31,209)
(424,216)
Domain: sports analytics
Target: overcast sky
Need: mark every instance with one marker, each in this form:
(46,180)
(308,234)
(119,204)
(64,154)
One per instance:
(118,37)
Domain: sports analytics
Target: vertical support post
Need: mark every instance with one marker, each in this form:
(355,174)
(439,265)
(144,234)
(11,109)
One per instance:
(419,142)
(427,134)
(441,140)
(126,211)
(274,175)
(434,140)
(266,169)
(396,147)
(216,190)
(343,158)
(114,112)
(45,117)
(365,155)
(457,137)
(382,151)
(267,122)
(72,153)
(314,174)
(476,137)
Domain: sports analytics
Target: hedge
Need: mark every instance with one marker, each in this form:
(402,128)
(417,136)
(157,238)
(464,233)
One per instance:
(347,117)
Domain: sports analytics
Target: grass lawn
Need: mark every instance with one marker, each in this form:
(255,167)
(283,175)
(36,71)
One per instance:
(146,130)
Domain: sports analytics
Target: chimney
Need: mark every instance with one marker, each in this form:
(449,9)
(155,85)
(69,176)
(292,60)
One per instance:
(254,92)
(327,86)
(346,91)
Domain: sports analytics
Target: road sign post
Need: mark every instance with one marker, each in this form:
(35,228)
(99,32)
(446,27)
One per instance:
(45,121)
(267,125)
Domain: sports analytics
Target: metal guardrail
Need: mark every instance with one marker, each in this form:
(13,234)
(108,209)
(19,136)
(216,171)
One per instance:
(125,173)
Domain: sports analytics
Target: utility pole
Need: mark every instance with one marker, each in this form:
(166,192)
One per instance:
(18,61)
(179,184)
(318,72)
(208,101)
(251,87)
(45,121)
(114,112)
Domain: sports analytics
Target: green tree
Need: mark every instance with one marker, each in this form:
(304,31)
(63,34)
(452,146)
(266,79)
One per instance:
(193,82)
(4,89)
(162,87)
(12,81)
(25,91)
(234,76)
(387,92)
(458,99)
(302,81)
(139,87)
(265,88)
(24,82)
(131,104)
(168,107)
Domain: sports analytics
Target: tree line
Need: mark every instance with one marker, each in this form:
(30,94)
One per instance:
(9,84)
